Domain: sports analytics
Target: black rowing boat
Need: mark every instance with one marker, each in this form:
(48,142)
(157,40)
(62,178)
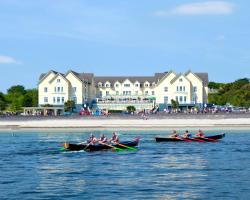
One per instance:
(207,138)
(100,147)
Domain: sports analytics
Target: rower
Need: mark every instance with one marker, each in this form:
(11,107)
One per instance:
(187,134)
(103,138)
(92,139)
(174,134)
(115,138)
(200,133)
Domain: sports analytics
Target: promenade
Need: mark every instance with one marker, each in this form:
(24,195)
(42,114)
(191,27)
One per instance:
(159,121)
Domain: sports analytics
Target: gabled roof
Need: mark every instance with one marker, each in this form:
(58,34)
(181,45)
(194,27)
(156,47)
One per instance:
(178,76)
(58,74)
(202,76)
(165,74)
(44,75)
(84,77)
(121,79)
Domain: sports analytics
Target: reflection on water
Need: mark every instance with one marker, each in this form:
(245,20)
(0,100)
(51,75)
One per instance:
(32,167)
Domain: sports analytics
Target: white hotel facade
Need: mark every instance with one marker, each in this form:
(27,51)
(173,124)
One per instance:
(117,92)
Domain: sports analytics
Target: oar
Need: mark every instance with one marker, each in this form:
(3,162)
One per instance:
(184,139)
(209,139)
(122,145)
(196,139)
(110,146)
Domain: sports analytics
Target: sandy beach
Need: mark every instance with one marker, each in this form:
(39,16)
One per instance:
(128,122)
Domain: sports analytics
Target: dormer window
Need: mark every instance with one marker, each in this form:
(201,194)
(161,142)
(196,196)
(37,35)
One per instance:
(126,85)
(99,84)
(117,85)
(58,80)
(136,85)
(180,80)
(146,85)
(107,85)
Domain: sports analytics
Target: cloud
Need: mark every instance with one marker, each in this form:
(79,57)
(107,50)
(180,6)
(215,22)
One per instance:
(8,60)
(203,8)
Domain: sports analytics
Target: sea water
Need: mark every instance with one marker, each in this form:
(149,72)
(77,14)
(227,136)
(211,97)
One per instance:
(32,166)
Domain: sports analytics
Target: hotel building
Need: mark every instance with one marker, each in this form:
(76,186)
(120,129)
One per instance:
(118,92)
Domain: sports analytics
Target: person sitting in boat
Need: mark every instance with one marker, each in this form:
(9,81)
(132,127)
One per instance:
(103,138)
(187,134)
(200,133)
(115,138)
(92,139)
(174,134)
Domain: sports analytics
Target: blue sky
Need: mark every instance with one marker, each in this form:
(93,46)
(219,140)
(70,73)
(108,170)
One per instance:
(123,37)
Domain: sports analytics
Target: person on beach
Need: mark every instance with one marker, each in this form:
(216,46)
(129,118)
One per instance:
(174,134)
(92,139)
(200,133)
(103,139)
(187,134)
(115,138)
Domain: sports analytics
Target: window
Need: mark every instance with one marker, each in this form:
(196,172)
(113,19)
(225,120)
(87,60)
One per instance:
(180,88)
(177,88)
(181,98)
(99,84)
(58,89)
(176,98)
(45,99)
(126,85)
(74,89)
(61,89)
(107,85)
(146,85)
(180,80)
(58,100)
(62,99)
(153,92)
(75,99)
(184,88)
(117,92)
(100,93)
(58,80)
(45,89)
(185,99)
(136,85)
(165,89)
(54,89)
(107,93)
(54,99)
(146,92)
(166,99)
(194,89)
(116,85)
(194,99)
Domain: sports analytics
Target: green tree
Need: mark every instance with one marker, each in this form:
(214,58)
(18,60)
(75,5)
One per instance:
(3,102)
(30,98)
(236,93)
(131,109)
(17,89)
(14,97)
(174,104)
(69,106)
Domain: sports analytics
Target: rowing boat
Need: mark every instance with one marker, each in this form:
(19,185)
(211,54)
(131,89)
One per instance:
(100,147)
(207,138)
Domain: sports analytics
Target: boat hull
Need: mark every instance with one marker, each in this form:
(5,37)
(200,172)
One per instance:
(99,147)
(210,138)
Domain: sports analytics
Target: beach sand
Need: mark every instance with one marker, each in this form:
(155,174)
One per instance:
(121,123)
